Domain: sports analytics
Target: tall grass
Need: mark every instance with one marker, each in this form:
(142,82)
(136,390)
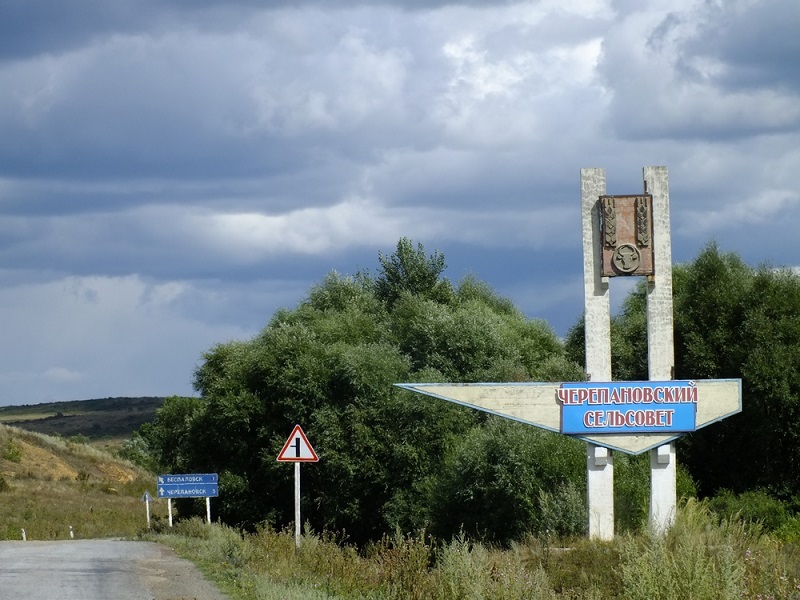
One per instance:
(694,560)
(46,509)
(49,485)
(699,558)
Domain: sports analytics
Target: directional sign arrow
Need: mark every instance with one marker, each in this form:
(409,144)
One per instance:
(188,478)
(189,491)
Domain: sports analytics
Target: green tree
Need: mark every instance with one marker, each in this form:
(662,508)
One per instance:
(410,270)
(330,364)
(731,321)
(750,329)
(167,439)
(499,483)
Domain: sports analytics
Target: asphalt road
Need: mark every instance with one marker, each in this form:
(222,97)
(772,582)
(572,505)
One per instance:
(99,570)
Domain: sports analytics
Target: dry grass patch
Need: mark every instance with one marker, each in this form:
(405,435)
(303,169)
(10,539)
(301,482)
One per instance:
(49,484)
(43,464)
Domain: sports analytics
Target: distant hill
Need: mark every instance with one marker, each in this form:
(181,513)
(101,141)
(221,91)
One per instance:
(99,419)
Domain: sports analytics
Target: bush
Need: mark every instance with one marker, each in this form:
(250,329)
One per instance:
(693,560)
(632,490)
(137,451)
(563,511)
(699,558)
(12,451)
(789,531)
(754,506)
(505,480)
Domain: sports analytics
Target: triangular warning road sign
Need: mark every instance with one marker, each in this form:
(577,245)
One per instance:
(297,448)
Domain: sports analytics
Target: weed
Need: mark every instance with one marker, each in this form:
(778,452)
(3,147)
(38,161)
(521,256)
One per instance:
(12,451)
(700,558)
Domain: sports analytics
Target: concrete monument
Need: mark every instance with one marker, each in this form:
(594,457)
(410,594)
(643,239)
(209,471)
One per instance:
(622,236)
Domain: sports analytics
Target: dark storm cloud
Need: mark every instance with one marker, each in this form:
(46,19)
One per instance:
(34,27)
(189,104)
(707,72)
(172,172)
(756,45)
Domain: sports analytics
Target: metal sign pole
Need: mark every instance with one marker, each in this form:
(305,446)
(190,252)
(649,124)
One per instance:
(297,505)
(297,449)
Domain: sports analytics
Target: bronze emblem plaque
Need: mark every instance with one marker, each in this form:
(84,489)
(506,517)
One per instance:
(626,225)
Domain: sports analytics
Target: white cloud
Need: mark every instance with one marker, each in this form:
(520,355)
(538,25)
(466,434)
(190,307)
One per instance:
(78,337)
(480,77)
(333,88)
(767,206)
(251,236)
(62,375)
(358,222)
(668,84)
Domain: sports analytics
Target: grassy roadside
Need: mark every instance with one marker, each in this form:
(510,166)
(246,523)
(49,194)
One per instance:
(699,559)
(48,484)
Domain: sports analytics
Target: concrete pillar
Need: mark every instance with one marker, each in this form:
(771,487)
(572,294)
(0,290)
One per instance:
(663,492)
(661,346)
(599,460)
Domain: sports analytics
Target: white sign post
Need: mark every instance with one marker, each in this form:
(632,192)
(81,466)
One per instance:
(297,449)
(147,498)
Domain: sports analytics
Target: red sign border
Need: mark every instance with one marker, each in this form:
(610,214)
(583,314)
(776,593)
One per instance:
(297,429)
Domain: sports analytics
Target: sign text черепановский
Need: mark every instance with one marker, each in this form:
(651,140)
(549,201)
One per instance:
(628,407)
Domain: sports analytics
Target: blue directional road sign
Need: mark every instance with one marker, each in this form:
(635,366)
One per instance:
(189,485)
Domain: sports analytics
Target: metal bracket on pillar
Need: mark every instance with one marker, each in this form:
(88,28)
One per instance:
(663,454)
(600,456)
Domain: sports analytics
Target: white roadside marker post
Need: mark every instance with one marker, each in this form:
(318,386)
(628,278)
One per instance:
(146,498)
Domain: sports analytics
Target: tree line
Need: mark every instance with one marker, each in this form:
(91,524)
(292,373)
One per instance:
(392,460)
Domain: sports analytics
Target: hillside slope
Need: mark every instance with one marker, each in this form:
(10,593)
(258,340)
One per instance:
(48,485)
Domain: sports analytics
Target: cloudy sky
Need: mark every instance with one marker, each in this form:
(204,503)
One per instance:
(173,171)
